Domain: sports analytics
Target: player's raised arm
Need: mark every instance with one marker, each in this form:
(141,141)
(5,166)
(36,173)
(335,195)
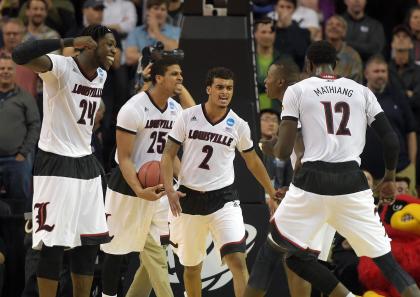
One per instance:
(125,144)
(32,53)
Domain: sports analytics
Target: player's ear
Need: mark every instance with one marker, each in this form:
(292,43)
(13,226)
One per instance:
(208,90)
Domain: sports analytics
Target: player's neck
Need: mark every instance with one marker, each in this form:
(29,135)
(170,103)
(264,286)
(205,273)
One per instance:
(324,69)
(215,113)
(86,62)
(159,98)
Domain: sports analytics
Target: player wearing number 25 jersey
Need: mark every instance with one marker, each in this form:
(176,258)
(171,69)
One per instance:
(210,133)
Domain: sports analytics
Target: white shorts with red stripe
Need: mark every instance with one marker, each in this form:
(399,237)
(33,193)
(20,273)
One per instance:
(188,233)
(301,215)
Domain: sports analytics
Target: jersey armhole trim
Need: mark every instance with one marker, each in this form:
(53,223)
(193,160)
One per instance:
(126,130)
(52,64)
(290,118)
(248,150)
(174,140)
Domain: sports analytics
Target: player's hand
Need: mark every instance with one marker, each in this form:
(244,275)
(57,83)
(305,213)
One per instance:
(173,198)
(267,146)
(152,193)
(387,191)
(84,42)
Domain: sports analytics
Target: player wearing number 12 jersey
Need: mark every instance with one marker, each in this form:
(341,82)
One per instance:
(210,133)
(330,187)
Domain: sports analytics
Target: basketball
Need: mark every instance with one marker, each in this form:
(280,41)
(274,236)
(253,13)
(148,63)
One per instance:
(149,174)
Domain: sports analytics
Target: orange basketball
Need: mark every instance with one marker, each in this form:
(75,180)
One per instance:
(149,174)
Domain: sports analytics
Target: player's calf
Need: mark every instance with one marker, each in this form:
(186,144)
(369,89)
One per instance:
(237,265)
(82,266)
(192,280)
(48,271)
(111,274)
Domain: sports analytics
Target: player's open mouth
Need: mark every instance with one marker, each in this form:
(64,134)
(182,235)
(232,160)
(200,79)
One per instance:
(110,59)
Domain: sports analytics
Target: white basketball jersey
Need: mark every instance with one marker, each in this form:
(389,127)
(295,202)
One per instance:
(334,114)
(70,104)
(209,148)
(140,116)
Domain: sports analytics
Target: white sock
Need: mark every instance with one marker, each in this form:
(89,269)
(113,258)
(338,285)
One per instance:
(105,295)
(350,295)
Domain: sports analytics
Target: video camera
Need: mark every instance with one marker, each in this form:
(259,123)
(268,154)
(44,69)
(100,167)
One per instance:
(150,54)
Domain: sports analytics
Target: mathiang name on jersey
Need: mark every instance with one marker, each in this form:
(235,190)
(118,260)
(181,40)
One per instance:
(334,114)
(70,103)
(150,124)
(209,148)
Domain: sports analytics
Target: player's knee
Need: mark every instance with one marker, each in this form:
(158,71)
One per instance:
(49,264)
(235,261)
(82,259)
(299,261)
(192,271)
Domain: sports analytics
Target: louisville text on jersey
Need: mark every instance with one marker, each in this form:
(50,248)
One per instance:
(209,136)
(87,91)
(154,124)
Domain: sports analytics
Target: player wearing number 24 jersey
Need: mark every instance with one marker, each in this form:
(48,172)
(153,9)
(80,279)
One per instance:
(210,133)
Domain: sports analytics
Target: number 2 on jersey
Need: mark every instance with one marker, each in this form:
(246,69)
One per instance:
(208,150)
(341,107)
(90,107)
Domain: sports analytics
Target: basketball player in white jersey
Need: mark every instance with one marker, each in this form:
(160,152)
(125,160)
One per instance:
(68,208)
(210,133)
(281,74)
(135,214)
(330,187)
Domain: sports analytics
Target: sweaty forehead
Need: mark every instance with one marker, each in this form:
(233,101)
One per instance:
(222,82)
(109,37)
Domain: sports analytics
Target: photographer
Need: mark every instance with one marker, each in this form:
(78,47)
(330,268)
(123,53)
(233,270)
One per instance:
(155,29)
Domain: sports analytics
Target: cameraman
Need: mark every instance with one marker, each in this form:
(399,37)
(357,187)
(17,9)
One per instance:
(155,29)
(137,216)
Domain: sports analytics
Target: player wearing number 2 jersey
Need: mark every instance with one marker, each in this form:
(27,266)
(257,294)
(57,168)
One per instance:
(68,208)
(210,133)
(330,187)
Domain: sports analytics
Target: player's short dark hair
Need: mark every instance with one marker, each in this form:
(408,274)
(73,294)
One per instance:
(322,52)
(272,111)
(160,66)
(287,70)
(95,31)
(151,3)
(377,58)
(218,72)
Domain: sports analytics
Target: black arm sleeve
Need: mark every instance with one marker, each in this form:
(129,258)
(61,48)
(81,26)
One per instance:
(389,140)
(27,51)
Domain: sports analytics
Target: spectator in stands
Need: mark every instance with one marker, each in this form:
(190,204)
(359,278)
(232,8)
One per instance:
(36,12)
(279,171)
(155,29)
(401,118)
(305,17)
(175,15)
(403,185)
(414,24)
(349,63)
(120,15)
(60,16)
(405,74)
(290,38)
(265,55)
(93,12)
(13,31)
(19,119)
(364,34)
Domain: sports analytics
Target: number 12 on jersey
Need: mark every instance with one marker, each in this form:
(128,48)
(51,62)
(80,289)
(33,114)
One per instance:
(339,107)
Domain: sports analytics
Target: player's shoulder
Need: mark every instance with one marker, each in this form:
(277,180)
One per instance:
(174,105)
(233,119)
(61,61)
(136,102)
